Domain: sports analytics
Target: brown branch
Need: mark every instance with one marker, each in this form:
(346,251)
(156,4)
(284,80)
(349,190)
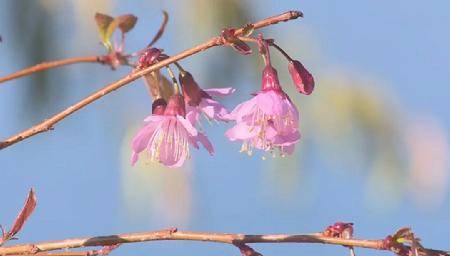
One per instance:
(215,41)
(173,234)
(51,64)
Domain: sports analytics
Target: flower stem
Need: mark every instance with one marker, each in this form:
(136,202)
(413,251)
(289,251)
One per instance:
(274,45)
(176,85)
(180,68)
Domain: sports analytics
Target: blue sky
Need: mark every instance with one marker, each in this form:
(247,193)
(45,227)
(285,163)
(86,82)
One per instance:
(86,187)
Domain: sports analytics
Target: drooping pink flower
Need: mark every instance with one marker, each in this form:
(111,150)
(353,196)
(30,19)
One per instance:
(268,121)
(200,101)
(303,80)
(166,137)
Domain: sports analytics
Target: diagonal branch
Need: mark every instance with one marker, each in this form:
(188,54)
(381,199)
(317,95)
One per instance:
(173,234)
(215,41)
(52,64)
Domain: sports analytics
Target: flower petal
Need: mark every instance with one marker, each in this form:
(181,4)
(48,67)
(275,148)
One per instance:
(242,131)
(220,92)
(188,126)
(241,110)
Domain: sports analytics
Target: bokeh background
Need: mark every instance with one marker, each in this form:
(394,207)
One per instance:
(375,147)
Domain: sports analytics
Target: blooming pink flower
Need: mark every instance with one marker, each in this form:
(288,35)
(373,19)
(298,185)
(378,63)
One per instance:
(167,136)
(268,121)
(200,101)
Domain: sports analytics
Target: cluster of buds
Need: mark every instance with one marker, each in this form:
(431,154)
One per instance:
(269,121)
(339,230)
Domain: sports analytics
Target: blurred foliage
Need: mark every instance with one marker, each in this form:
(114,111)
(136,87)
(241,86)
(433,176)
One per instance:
(359,128)
(33,44)
(42,38)
(221,14)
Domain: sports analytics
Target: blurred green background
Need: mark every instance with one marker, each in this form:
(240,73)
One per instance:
(374,148)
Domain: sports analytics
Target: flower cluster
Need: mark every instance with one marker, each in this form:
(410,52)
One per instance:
(269,121)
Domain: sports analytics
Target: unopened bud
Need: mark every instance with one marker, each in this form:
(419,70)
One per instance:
(191,91)
(149,57)
(159,106)
(303,80)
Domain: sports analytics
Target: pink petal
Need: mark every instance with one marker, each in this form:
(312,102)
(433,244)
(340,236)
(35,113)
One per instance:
(270,102)
(154,118)
(220,92)
(242,110)
(202,138)
(192,115)
(134,158)
(213,109)
(142,138)
(171,151)
(188,126)
(286,140)
(242,131)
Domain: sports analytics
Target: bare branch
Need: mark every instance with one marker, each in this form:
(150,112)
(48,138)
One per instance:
(215,41)
(51,64)
(239,240)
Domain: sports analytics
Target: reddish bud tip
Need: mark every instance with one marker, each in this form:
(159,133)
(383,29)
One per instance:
(159,106)
(303,80)
(175,106)
(228,35)
(270,79)
(191,91)
(149,57)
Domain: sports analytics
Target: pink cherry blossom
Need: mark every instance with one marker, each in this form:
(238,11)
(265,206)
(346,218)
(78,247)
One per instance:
(166,137)
(209,107)
(267,121)
(200,101)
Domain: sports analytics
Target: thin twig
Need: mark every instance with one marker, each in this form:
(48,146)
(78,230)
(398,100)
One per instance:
(173,234)
(215,41)
(51,64)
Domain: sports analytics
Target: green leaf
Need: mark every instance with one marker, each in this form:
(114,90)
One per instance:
(106,26)
(126,22)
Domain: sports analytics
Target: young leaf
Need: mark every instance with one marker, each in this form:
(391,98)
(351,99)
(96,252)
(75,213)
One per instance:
(241,47)
(161,29)
(23,216)
(106,26)
(126,22)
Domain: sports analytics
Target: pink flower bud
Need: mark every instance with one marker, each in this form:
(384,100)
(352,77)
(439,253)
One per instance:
(270,79)
(159,106)
(191,91)
(175,106)
(303,80)
(149,57)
